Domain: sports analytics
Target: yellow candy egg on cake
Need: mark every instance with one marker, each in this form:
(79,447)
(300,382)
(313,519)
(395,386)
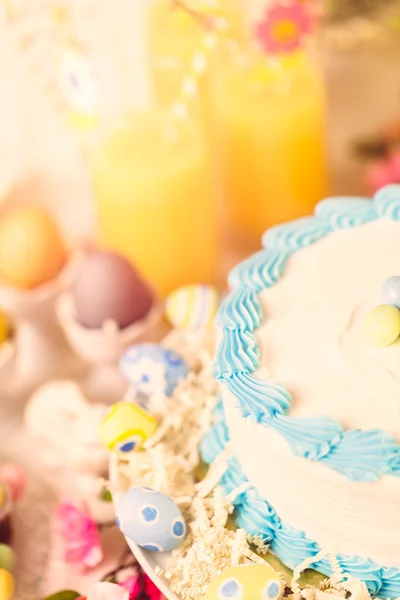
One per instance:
(32,251)
(192,307)
(246,582)
(382,325)
(126,427)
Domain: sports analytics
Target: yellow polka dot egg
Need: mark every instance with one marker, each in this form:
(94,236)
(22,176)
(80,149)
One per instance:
(126,427)
(246,582)
(193,307)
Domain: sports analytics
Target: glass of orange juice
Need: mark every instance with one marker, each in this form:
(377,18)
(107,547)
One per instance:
(154,195)
(269,119)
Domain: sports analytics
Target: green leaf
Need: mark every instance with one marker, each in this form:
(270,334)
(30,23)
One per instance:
(64,595)
(105,496)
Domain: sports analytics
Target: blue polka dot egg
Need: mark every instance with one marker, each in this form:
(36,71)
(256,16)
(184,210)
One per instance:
(246,582)
(151,368)
(151,520)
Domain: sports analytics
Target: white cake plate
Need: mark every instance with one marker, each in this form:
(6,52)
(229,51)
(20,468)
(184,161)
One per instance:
(149,561)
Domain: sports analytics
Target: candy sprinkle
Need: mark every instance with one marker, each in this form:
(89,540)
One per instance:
(382,325)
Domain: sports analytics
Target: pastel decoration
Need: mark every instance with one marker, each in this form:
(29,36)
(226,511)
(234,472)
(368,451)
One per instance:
(246,582)
(151,520)
(7,558)
(32,251)
(108,287)
(7,585)
(390,291)
(15,479)
(80,535)
(126,427)
(193,307)
(151,368)
(382,325)
(284,27)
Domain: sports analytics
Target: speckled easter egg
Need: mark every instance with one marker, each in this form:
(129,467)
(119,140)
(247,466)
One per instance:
(246,582)
(151,368)
(192,307)
(32,251)
(151,520)
(107,287)
(126,427)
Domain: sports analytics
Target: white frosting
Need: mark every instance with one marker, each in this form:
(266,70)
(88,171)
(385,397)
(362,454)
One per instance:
(353,518)
(311,339)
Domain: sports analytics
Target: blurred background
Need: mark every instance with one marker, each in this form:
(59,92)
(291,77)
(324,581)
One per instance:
(172,133)
(177,132)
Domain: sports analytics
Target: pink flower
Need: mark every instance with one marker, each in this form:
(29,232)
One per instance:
(139,586)
(81,536)
(283,27)
(384,171)
(108,591)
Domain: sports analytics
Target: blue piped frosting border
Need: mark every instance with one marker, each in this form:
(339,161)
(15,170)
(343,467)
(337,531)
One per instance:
(238,357)
(257,517)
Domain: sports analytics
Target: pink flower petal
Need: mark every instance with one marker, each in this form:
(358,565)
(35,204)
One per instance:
(133,585)
(81,536)
(278,14)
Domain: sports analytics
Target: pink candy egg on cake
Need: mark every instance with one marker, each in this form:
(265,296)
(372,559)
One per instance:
(108,287)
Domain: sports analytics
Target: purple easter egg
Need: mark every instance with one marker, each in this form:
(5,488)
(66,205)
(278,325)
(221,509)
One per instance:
(108,287)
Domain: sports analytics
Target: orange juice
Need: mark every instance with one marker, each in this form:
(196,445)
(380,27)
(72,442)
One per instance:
(174,36)
(153,190)
(270,132)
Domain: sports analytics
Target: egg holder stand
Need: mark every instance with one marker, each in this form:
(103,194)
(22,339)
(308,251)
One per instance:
(101,349)
(38,350)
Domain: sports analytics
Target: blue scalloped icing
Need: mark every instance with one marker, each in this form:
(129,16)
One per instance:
(257,517)
(358,455)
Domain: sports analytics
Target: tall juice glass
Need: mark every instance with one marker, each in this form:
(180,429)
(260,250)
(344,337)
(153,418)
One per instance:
(175,35)
(269,119)
(155,205)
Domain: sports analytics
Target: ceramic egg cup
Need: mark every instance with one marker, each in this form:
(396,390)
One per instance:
(102,348)
(38,349)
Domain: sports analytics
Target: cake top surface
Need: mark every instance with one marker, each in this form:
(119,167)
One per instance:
(311,338)
(292,353)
